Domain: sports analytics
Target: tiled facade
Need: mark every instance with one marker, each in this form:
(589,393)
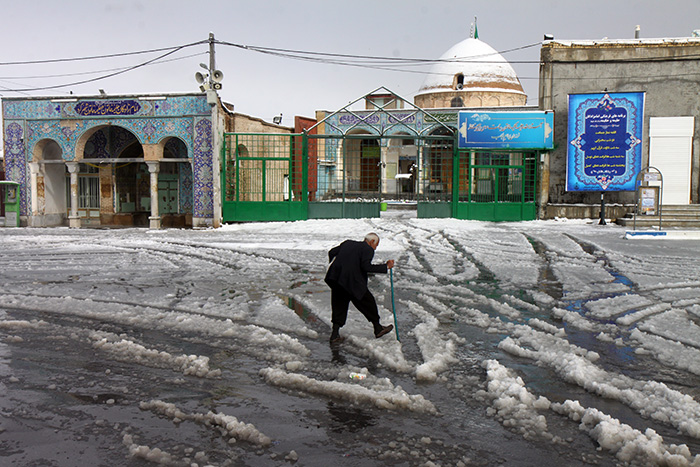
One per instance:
(148,119)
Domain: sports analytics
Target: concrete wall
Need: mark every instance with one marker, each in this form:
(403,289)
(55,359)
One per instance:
(240,123)
(666,70)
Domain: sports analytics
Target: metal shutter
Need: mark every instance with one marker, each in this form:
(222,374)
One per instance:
(671,151)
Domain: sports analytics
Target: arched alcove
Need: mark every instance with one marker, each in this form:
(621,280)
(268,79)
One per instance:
(175,184)
(51,203)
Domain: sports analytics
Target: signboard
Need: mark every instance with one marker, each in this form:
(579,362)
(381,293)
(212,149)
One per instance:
(103,108)
(649,200)
(506,130)
(652,177)
(605,136)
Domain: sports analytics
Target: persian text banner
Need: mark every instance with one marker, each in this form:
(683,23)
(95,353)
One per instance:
(506,130)
(604,151)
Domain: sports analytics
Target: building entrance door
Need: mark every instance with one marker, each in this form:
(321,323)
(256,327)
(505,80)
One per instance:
(671,152)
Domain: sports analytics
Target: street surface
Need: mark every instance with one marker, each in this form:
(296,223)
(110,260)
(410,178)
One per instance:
(521,344)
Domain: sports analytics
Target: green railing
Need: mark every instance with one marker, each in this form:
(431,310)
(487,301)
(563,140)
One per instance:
(285,177)
(264,177)
(497,186)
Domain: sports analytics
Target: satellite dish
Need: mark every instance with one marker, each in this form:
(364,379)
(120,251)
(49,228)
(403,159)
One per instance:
(199,77)
(217,76)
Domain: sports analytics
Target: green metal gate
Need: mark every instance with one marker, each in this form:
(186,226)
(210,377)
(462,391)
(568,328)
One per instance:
(497,186)
(365,159)
(274,177)
(349,183)
(438,176)
(264,177)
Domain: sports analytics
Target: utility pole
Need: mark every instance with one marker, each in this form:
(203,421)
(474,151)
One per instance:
(217,135)
(212,60)
(209,84)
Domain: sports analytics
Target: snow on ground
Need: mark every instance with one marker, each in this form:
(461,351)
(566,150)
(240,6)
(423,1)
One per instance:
(519,342)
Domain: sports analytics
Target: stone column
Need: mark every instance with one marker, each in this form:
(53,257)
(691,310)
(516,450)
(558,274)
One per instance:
(35,181)
(154,169)
(383,159)
(73,218)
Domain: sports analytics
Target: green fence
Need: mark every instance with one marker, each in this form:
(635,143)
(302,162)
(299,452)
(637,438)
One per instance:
(437,179)
(284,177)
(497,186)
(264,177)
(350,182)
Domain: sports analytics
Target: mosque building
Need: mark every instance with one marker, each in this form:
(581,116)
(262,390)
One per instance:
(471,74)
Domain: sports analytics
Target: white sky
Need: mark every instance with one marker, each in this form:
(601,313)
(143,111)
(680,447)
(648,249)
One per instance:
(263,85)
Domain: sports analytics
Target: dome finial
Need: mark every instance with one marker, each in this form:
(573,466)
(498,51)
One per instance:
(474,33)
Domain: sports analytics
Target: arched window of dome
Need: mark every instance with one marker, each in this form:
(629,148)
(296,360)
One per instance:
(457,102)
(459,81)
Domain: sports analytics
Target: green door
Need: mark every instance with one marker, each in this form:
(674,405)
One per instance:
(168,194)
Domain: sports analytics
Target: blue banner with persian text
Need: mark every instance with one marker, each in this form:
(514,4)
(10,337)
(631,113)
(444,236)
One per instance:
(604,141)
(506,130)
(105,108)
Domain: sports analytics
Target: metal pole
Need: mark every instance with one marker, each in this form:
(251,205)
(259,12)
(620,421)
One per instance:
(212,60)
(602,209)
(393,306)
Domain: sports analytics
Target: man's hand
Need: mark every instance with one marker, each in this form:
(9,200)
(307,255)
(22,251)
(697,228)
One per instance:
(390,264)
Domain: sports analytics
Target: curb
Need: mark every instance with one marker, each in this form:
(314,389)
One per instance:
(664,235)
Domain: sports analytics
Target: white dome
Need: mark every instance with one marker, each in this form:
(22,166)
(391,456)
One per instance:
(481,69)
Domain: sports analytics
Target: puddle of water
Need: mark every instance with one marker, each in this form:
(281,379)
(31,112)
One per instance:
(97,398)
(619,278)
(547,282)
(304,313)
(300,283)
(349,419)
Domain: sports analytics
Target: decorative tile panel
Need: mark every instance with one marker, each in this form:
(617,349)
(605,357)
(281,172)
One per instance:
(16,168)
(203,190)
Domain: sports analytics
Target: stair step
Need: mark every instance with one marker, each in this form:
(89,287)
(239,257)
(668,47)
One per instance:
(665,222)
(672,215)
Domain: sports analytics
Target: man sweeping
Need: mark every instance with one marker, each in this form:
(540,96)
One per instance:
(351,261)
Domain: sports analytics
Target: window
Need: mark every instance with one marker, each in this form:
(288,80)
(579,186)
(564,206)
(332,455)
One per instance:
(459,81)
(88,193)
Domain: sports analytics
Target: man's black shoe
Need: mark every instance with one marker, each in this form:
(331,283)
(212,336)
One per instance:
(336,338)
(383,330)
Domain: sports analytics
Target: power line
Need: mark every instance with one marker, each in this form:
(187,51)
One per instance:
(95,57)
(396,64)
(82,73)
(354,59)
(109,75)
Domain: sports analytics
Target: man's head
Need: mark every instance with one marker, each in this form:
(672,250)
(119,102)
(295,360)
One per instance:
(372,240)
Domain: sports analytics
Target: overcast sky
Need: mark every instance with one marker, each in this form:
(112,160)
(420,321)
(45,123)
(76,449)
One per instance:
(264,85)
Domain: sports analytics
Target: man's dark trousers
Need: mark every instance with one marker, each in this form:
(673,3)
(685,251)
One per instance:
(340,300)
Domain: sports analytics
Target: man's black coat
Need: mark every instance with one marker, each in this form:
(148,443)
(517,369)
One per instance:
(351,261)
